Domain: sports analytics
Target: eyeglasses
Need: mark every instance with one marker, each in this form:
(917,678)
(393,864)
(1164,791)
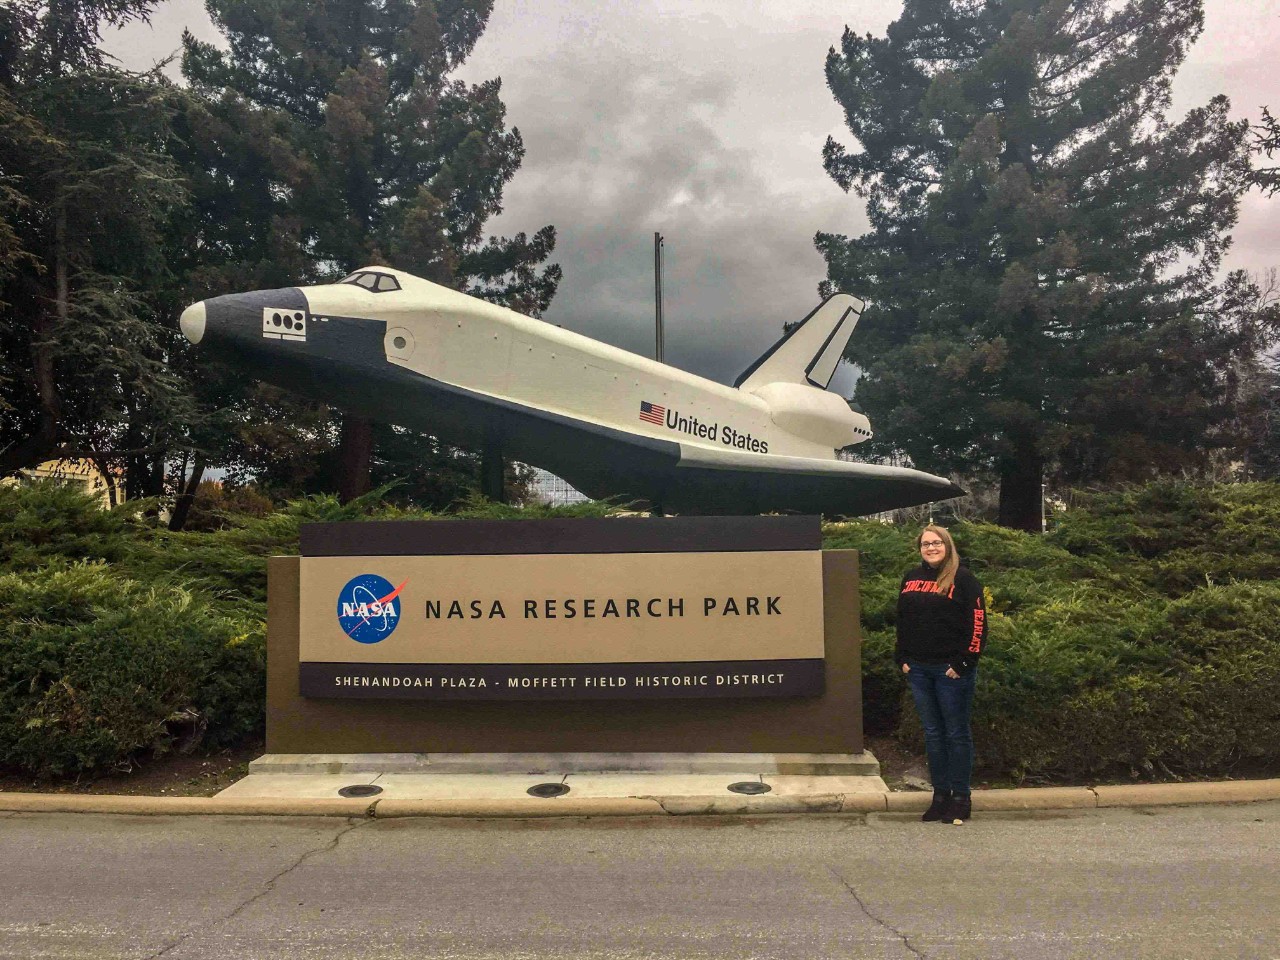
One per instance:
(932,543)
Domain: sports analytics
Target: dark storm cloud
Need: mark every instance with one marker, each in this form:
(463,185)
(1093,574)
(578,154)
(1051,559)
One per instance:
(705,121)
(622,145)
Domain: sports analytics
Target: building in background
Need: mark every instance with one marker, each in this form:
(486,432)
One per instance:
(80,475)
(549,489)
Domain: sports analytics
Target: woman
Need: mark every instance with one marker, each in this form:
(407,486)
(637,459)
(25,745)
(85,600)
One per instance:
(942,628)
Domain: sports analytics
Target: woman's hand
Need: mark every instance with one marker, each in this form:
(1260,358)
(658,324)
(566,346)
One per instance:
(952,674)
(906,668)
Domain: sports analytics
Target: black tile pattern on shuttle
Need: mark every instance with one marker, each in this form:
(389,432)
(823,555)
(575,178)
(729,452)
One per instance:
(400,538)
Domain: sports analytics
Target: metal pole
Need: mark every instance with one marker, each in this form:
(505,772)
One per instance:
(657,296)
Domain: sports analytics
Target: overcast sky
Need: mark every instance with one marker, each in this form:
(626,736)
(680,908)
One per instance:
(705,121)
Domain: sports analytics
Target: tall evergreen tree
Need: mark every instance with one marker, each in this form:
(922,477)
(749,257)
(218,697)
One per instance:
(334,136)
(86,187)
(1267,140)
(1044,245)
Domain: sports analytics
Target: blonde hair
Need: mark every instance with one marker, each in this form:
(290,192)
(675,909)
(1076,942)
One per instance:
(950,562)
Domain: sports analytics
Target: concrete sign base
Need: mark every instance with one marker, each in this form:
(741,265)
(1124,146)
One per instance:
(816,730)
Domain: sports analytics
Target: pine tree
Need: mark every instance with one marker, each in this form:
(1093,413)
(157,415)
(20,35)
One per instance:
(333,136)
(86,189)
(1267,141)
(1045,244)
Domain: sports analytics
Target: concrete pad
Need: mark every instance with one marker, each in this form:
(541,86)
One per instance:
(655,784)
(785,786)
(1160,794)
(795,764)
(519,808)
(461,786)
(862,764)
(1034,798)
(281,786)
(337,763)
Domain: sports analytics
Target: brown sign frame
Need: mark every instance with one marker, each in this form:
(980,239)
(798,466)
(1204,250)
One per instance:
(828,723)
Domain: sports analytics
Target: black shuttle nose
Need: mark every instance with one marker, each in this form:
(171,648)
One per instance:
(247,320)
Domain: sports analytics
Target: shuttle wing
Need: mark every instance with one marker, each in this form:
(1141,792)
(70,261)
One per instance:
(832,487)
(680,477)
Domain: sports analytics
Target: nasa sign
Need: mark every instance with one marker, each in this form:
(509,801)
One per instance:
(516,623)
(369,608)
(623,636)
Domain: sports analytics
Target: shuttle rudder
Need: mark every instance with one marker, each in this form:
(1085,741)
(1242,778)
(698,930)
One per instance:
(809,353)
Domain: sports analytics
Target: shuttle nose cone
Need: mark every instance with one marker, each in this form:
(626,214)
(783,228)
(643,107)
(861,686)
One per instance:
(192,322)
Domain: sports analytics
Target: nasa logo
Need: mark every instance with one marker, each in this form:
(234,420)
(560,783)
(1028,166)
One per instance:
(369,608)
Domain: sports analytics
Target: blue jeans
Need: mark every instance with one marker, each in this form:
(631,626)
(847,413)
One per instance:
(944,706)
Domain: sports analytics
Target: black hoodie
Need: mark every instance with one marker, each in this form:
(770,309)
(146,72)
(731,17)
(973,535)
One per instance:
(933,628)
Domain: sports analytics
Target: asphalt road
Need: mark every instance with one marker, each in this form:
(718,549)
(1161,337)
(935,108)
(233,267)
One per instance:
(1188,883)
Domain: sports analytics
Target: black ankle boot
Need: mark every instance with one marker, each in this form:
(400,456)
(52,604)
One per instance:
(958,810)
(937,808)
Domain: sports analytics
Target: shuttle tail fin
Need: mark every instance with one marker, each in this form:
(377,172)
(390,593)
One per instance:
(811,350)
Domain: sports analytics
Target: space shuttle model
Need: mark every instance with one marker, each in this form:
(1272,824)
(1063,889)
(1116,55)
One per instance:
(394,347)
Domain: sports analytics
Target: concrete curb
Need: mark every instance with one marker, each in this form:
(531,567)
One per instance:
(1223,791)
(182,806)
(519,807)
(735,805)
(1026,798)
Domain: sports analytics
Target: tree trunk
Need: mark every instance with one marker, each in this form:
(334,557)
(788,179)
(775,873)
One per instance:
(493,469)
(355,452)
(45,440)
(182,506)
(155,479)
(1021,493)
(136,468)
(101,464)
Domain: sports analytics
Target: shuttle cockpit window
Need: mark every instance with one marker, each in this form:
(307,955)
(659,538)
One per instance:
(373,281)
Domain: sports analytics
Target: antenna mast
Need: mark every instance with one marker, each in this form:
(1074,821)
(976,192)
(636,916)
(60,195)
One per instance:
(657,297)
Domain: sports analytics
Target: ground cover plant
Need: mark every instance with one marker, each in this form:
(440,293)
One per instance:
(1137,638)
(120,639)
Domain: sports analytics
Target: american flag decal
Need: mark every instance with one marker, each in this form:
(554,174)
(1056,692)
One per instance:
(652,413)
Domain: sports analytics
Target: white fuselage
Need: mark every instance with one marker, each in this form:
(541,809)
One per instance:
(478,346)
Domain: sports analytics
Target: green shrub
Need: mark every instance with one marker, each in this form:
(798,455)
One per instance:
(96,669)
(216,506)
(1141,635)
(1202,720)
(882,683)
(123,638)
(46,521)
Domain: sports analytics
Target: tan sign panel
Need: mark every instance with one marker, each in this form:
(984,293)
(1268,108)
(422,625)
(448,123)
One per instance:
(562,609)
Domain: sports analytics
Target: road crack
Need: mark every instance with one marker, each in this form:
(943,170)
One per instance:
(267,888)
(659,802)
(863,907)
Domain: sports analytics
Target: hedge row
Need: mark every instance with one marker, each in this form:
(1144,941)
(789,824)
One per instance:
(1140,635)
(120,639)
(96,668)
